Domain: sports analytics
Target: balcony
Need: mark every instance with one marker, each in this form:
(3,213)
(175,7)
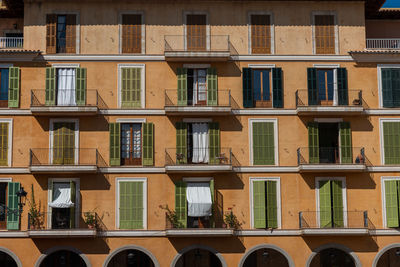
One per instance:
(383,44)
(205,160)
(331,159)
(307,105)
(65,103)
(60,224)
(198,48)
(318,223)
(222,106)
(64,160)
(11,43)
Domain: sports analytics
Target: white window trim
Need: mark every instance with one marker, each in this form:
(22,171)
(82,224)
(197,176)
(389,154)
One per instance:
(65,65)
(276,137)
(272,29)
(6,65)
(380,88)
(383,194)
(343,180)
(142,85)
(78,26)
(125,179)
(208,30)
(143,30)
(333,13)
(128,120)
(10,138)
(278,196)
(50,197)
(51,135)
(381,137)
(5,180)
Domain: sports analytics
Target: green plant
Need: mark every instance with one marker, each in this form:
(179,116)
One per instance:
(172,217)
(231,220)
(90,218)
(35,216)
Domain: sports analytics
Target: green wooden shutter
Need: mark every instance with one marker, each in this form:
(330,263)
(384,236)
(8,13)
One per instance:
(259,215)
(4,143)
(115,147)
(392,204)
(345,143)
(131,87)
(181,143)
(312,86)
(181,203)
(137,205)
(247,88)
(213,209)
(325,208)
(391,142)
(14,87)
(12,218)
(64,143)
(396,87)
(337,201)
(272,204)
(182,86)
(214,142)
(212,87)
(80,86)
(148,144)
(131,205)
(263,143)
(73,208)
(277,88)
(343,92)
(313,142)
(387,90)
(50,91)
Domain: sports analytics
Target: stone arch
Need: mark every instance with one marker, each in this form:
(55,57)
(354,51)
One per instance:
(58,248)
(268,246)
(12,255)
(383,251)
(128,247)
(189,248)
(353,255)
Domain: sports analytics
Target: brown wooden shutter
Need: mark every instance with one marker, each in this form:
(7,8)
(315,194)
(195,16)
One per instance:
(51,22)
(260,34)
(196,32)
(324,34)
(70,41)
(131,33)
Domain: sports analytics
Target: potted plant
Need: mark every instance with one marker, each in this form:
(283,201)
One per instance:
(172,217)
(90,219)
(35,216)
(231,221)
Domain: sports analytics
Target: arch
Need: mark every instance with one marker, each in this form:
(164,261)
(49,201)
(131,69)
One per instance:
(353,255)
(58,248)
(142,249)
(12,255)
(383,251)
(189,248)
(268,246)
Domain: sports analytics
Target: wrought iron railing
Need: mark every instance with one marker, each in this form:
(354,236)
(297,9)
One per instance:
(335,218)
(222,98)
(331,155)
(62,219)
(354,98)
(65,156)
(65,98)
(198,156)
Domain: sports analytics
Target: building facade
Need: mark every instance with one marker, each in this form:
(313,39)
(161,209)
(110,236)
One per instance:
(199,133)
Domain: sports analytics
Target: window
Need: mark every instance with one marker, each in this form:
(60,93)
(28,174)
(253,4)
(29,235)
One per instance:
(265,202)
(331,202)
(5,142)
(390,86)
(9,86)
(9,199)
(263,148)
(63,142)
(131,33)
(196,32)
(131,203)
(324,34)
(262,87)
(260,34)
(61,33)
(4,87)
(391,141)
(391,196)
(131,86)
(131,144)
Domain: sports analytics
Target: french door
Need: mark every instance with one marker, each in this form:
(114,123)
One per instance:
(64,143)
(131,144)
(196,34)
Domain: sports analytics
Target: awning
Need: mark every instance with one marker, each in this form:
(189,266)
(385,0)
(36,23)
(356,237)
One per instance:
(61,196)
(198,196)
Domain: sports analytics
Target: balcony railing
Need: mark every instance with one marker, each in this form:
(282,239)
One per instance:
(62,220)
(331,155)
(328,219)
(383,43)
(303,99)
(65,157)
(198,157)
(65,98)
(11,42)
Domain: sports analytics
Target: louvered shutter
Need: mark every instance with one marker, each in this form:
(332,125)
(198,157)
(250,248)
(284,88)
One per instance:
(277,89)
(387,90)
(259,214)
(324,34)
(313,142)
(312,86)
(14,87)
(325,208)
(272,205)
(214,142)
(137,205)
(247,88)
(131,33)
(131,87)
(115,144)
(50,85)
(337,201)
(51,33)
(212,87)
(80,86)
(343,92)
(260,34)
(391,142)
(131,205)
(396,87)
(70,34)
(181,143)
(392,204)
(346,154)
(73,208)
(181,203)
(13,218)
(4,143)
(263,143)
(182,86)
(148,144)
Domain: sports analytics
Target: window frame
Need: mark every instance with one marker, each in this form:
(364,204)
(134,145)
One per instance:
(117,189)
(265,67)
(208,27)
(142,83)
(272,30)
(6,66)
(78,28)
(383,196)
(344,195)
(380,87)
(381,136)
(51,137)
(10,143)
(143,29)
(336,29)
(276,141)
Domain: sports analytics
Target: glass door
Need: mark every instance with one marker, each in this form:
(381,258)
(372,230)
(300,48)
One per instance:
(131,144)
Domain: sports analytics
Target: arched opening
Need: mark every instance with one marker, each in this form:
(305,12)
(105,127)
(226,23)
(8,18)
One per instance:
(6,260)
(391,258)
(198,257)
(63,258)
(332,257)
(131,258)
(264,257)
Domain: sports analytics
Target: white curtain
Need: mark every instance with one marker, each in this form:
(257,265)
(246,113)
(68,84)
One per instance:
(66,87)
(198,196)
(199,86)
(200,143)
(61,196)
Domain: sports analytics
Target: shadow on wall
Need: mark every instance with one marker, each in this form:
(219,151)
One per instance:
(85,245)
(356,243)
(355,181)
(229,244)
